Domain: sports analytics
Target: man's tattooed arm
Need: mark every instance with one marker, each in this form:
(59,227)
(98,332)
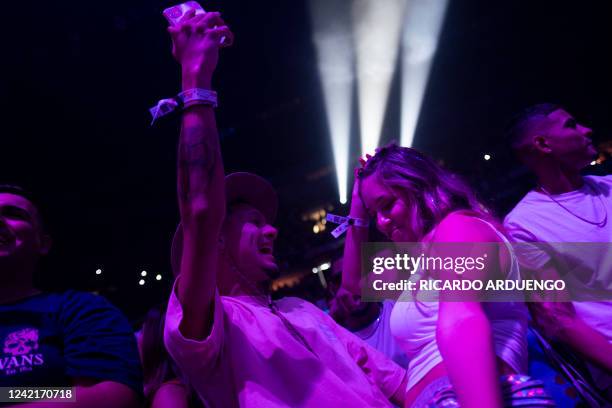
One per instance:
(196,161)
(199,162)
(200,176)
(201,195)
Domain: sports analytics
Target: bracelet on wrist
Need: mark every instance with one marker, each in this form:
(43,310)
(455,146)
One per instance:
(345,223)
(185,99)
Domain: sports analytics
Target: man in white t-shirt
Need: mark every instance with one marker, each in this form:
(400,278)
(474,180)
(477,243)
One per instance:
(571,209)
(233,344)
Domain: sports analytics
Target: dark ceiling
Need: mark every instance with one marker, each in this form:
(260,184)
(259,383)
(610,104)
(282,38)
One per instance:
(78,79)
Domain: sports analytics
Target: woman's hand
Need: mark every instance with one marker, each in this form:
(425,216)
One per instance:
(358,209)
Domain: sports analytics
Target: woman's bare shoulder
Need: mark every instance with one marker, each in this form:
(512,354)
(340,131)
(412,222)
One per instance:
(463,226)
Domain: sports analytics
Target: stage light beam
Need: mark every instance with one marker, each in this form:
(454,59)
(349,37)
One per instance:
(422,26)
(377,27)
(333,41)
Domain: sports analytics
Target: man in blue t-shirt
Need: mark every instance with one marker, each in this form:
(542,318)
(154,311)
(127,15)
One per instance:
(57,339)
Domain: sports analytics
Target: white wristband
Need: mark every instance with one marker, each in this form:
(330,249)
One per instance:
(190,97)
(345,222)
(198,96)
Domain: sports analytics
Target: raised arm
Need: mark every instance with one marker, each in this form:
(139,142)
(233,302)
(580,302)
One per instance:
(355,236)
(201,186)
(348,297)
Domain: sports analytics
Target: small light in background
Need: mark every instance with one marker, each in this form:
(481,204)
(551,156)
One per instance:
(143,273)
(318,217)
(323,280)
(141,282)
(594,162)
(158,277)
(98,271)
(487,157)
(325,266)
(315,270)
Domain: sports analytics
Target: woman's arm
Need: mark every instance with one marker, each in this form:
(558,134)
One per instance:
(463,331)
(348,297)
(355,236)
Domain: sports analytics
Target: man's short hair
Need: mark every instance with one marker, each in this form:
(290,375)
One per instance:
(18,191)
(28,195)
(527,121)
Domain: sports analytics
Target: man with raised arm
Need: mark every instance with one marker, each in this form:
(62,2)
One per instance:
(233,343)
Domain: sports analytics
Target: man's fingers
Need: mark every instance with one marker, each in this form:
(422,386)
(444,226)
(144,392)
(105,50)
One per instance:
(185,23)
(207,21)
(225,34)
(213,19)
(203,25)
(197,23)
(186,17)
(197,20)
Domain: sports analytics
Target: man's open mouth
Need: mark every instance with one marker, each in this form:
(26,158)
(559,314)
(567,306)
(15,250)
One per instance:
(266,250)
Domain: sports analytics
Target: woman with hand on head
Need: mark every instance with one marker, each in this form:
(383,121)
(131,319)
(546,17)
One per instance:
(463,353)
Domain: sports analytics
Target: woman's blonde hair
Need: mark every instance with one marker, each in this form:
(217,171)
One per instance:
(430,191)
